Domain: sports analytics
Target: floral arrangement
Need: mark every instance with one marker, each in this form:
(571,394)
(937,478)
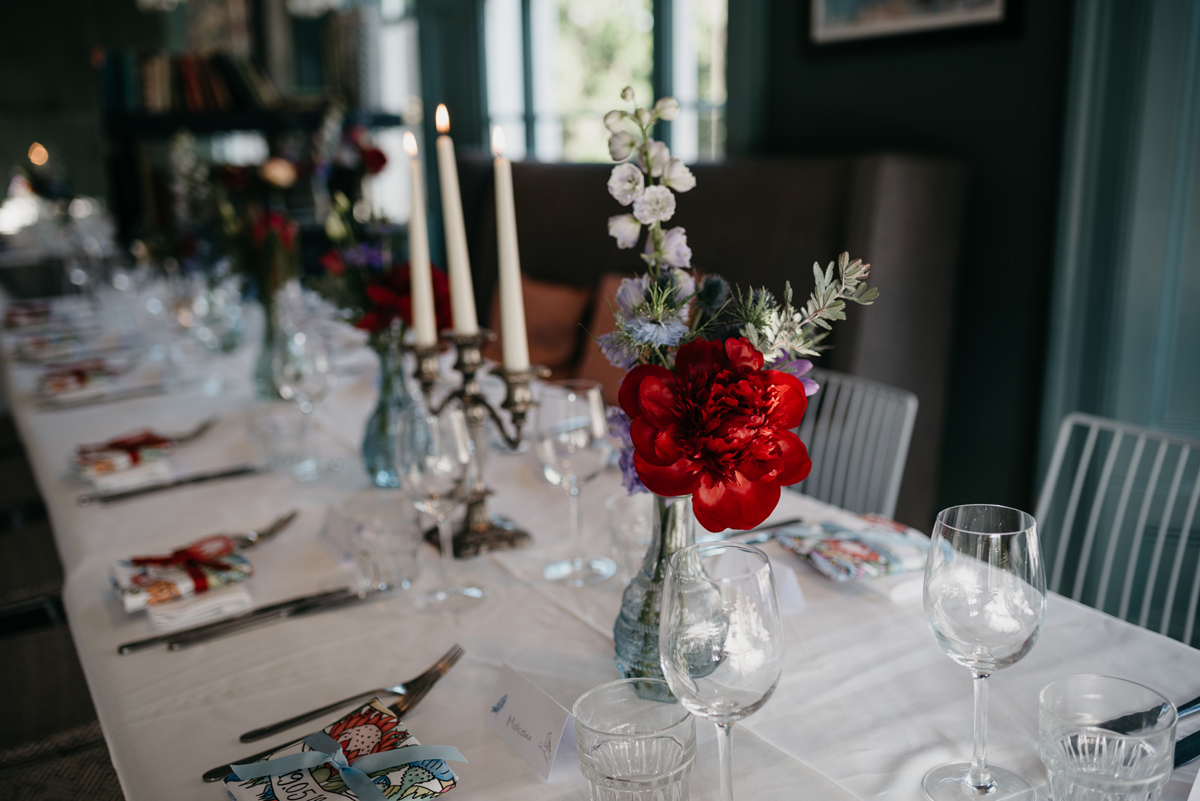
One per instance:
(717,381)
(362,280)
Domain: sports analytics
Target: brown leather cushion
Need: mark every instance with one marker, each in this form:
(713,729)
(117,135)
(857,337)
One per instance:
(594,365)
(554,318)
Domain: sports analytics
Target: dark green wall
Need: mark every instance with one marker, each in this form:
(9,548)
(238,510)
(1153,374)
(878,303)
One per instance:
(48,89)
(998,104)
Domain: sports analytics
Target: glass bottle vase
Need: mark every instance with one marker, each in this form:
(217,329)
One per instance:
(264,370)
(394,423)
(635,633)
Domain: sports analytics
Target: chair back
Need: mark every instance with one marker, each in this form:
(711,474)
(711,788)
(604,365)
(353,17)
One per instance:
(1119,527)
(857,433)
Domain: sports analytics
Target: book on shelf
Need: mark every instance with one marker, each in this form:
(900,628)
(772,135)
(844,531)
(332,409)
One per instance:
(195,83)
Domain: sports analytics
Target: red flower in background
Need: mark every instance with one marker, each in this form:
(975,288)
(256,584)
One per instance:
(332,262)
(373,159)
(390,296)
(278,224)
(718,428)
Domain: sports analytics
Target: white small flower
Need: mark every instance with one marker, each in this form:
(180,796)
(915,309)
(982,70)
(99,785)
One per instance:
(675,250)
(620,145)
(625,229)
(656,204)
(659,156)
(667,108)
(677,176)
(626,183)
(334,227)
(643,117)
(627,93)
(614,121)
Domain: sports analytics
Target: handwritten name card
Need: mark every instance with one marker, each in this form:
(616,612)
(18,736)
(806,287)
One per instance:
(532,723)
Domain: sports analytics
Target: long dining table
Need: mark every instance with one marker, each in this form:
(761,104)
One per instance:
(866,705)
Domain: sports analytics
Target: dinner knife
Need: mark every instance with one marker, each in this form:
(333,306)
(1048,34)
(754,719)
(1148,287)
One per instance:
(264,611)
(234,626)
(1187,749)
(763,533)
(1140,720)
(197,478)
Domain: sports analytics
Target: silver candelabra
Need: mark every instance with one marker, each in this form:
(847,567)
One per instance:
(481,530)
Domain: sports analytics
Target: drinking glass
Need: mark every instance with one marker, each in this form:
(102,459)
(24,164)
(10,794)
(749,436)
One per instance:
(572,444)
(438,476)
(720,637)
(985,600)
(631,748)
(1105,739)
(302,365)
(629,526)
(383,535)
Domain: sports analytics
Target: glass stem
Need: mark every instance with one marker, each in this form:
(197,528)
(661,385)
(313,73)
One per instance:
(979,776)
(446,538)
(725,755)
(576,522)
(306,456)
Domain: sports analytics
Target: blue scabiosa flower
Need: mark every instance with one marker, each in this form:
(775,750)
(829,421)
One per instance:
(659,333)
(712,294)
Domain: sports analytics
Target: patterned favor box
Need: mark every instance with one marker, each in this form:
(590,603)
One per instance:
(371,729)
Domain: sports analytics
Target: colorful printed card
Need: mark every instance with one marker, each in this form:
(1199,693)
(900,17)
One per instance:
(370,729)
(875,547)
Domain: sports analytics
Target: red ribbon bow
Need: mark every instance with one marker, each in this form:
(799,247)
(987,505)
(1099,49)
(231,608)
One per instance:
(133,444)
(200,554)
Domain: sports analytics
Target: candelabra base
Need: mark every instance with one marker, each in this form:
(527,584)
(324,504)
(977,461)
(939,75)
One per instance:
(495,534)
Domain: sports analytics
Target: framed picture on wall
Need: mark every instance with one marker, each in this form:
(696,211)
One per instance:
(837,21)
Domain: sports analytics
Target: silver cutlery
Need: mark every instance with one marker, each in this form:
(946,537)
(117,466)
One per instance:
(50,405)
(265,611)
(1187,750)
(197,432)
(224,628)
(414,691)
(197,478)
(756,535)
(251,539)
(1138,720)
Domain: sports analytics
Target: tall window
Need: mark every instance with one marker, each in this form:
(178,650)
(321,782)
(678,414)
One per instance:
(554,67)
(399,93)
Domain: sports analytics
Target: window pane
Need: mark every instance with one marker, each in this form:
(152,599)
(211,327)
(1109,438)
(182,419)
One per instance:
(699,78)
(505,72)
(399,93)
(585,52)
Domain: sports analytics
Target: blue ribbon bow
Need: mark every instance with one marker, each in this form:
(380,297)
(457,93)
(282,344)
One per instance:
(326,749)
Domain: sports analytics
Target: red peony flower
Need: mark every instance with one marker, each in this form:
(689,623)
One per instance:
(390,296)
(718,429)
(332,262)
(374,160)
(274,222)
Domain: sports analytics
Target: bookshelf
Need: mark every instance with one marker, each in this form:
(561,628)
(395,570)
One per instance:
(269,121)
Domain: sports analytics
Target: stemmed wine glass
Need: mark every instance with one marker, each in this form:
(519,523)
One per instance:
(985,600)
(720,637)
(572,443)
(438,476)
(302,365)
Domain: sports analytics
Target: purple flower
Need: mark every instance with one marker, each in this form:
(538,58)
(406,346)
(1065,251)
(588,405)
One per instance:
(618,429)
(631,294)
(629,476)
(619,352)
(797,367)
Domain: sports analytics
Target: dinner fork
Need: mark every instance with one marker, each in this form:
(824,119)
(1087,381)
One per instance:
(411,693)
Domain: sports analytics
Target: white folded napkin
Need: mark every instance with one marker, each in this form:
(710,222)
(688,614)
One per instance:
(202,608)
(155,472)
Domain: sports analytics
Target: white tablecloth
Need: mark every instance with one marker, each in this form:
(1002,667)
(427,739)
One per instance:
(867,703)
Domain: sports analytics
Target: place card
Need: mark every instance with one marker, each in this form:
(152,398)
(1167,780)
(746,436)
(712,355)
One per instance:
(1194,795)
(532,723)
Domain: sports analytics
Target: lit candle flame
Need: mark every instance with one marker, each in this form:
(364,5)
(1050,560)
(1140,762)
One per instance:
(441,119)
(38,154)
(498,141)
(410,144)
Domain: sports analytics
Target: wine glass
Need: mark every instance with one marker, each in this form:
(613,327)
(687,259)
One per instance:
(438,476)
(985,600)
(720,637)
(573,446)
(301,366)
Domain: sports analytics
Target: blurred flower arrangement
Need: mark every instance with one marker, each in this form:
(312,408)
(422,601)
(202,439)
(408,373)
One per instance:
(717,379)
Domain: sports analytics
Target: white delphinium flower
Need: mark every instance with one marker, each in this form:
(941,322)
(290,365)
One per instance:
(643,117)
(660,156)
(624,228)
(667,108)
(621,145)
(626,183)
(677,176)
(335,229)
(675,250)
(614,121)
(627,94)
(656,204)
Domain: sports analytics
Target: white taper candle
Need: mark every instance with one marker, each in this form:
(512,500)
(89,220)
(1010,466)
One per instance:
(424,316)
(462,289)
(512,301)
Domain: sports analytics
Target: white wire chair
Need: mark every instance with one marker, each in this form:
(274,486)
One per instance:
(1117,530)
(857,433)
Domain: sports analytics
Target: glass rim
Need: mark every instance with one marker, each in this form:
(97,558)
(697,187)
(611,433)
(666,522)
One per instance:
(1128,682)
(684,718)
(576,384)
(700,546)
(941,520)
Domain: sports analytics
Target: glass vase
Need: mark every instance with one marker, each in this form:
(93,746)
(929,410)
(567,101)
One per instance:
(264,373)
(395,424)
(635,633)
